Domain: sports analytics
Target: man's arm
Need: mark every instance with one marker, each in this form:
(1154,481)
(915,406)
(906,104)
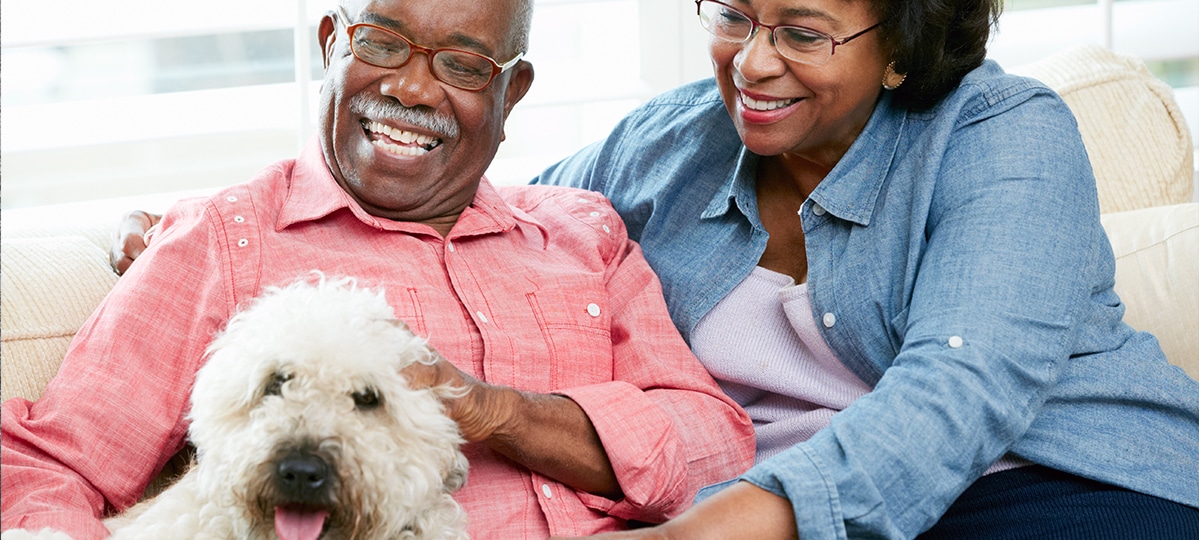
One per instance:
(546,433)
(742,510)
(665,424)
(113,415)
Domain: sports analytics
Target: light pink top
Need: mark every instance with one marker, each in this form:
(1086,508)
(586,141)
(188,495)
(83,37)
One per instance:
(762,345)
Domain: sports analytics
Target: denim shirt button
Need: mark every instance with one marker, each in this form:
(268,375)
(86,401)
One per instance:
(817,209)
(829,320)
(955,342)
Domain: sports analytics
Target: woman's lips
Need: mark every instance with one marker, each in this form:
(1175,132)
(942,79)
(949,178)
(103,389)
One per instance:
(765,109)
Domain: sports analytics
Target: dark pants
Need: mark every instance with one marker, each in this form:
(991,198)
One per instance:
(1039,503)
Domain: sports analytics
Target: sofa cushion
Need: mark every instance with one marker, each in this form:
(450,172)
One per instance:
(1134,132)
(48,288)
(1157,254)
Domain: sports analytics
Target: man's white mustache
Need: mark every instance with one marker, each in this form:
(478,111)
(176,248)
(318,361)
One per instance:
(377,109)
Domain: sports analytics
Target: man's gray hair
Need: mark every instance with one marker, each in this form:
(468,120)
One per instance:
(522,21)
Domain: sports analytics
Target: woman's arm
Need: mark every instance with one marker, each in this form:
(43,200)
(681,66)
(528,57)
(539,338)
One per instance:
(130,239)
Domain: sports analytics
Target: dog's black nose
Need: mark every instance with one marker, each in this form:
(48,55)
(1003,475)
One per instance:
(302,476)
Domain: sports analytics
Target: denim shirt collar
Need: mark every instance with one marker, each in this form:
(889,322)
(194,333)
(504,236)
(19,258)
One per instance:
(738,190)
(851,189)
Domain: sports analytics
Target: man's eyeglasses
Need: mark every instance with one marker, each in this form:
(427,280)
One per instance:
(798,43)
(384,48)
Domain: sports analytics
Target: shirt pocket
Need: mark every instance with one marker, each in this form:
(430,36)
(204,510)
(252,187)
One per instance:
(406,304)
(575,323)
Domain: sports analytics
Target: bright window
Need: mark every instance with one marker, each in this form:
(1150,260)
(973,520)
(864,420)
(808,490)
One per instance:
(128,97)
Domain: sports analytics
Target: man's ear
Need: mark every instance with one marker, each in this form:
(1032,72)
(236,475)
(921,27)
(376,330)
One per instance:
(520,78)
(326,33)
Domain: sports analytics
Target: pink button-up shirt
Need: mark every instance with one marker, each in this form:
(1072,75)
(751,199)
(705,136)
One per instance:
(536,288)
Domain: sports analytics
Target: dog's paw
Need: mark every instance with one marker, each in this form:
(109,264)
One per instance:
(44,534)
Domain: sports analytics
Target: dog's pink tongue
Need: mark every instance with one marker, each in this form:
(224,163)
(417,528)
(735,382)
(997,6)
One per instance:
(293,524)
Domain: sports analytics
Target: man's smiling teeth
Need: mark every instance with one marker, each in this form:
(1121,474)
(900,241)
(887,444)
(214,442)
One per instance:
(423,143)
(756,105)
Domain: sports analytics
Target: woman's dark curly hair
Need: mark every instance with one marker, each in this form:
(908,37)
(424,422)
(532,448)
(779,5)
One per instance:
(935,42)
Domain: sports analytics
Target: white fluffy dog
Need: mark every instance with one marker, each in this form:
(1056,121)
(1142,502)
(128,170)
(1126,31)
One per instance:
(305,428)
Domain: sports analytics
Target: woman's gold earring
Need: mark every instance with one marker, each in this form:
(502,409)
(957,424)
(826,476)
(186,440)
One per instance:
(891,79)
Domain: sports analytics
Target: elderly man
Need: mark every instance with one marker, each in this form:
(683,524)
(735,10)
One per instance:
(586,409)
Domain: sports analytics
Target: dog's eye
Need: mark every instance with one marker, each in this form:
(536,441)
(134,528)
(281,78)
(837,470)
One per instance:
(366,400)
(274,387)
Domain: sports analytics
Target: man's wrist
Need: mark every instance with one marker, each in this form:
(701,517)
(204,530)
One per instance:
(486,411)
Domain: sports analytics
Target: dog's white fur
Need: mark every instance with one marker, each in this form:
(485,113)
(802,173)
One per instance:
(297,371)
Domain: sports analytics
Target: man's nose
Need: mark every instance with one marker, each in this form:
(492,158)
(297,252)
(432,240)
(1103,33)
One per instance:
(413,83)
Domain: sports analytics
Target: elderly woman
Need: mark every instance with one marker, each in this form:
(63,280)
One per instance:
(889,252)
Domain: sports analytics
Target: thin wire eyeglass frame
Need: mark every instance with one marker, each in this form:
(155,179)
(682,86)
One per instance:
(755,25)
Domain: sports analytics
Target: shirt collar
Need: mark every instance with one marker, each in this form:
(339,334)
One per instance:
(738,189)
(850,190)
(313,193)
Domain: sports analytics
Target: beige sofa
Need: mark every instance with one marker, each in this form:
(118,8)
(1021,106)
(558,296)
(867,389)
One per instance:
(55,267)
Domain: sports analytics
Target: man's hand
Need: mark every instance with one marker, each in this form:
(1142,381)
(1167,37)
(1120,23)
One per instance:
(547,433)
(130,239)
(478,408)
(740,511)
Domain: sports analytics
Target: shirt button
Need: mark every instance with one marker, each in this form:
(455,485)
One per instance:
(955,342)
(606,229)
(595,214)
(450,246)
(817,209)
(243,243)
(829,320)
(481,316)
(231,198)
(545,490)
(239,219)
(593,310)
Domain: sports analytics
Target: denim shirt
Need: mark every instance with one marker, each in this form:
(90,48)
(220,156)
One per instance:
(956,263)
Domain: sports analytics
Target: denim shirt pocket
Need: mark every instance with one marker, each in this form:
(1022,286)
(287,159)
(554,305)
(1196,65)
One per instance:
(574,318)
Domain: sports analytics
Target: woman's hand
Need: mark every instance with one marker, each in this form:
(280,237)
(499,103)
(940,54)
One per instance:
(130,239)
(742,510)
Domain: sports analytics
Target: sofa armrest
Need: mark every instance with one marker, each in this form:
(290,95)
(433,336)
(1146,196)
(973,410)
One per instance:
(1157,254)
(48,287)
